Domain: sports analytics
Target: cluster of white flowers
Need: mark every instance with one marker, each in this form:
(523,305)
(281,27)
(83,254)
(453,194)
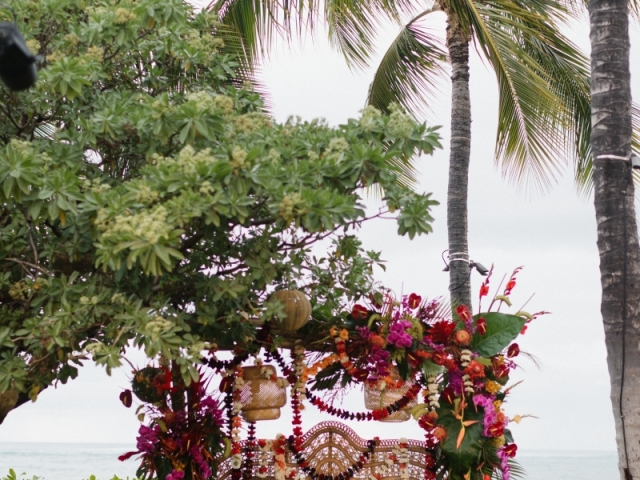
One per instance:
(432,392)
(150,226)
(157,326)
(123,16)
(400,124)
(336,148)
(238,159)
(465,360)
(399,456)
(370,118)
(250,122)
(300,367)
(146,195)
(289,206)
(89,301)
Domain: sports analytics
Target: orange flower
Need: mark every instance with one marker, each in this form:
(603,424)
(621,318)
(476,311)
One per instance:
(462,337)
(377,341)
(475,370)
(344,334)
(439,433)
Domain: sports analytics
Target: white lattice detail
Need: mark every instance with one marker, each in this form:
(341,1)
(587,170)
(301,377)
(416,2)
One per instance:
(332,447)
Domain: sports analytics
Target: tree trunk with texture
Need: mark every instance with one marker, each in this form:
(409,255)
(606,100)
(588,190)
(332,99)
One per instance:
(616,220)
(459,286)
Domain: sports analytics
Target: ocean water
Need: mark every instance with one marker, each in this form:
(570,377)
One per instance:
(68,461)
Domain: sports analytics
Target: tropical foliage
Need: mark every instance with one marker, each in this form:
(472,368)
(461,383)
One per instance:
(148,198)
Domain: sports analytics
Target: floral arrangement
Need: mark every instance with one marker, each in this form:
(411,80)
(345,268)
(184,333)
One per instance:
(459,364)
(182,438)
(463,364)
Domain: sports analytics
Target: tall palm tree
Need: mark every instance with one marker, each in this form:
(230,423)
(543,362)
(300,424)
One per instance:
(611,142)
(542,78)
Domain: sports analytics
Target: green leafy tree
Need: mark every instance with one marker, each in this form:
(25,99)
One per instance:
(543,81)
(147,198)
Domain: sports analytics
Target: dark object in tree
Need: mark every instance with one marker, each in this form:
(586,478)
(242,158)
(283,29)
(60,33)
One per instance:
(17,63)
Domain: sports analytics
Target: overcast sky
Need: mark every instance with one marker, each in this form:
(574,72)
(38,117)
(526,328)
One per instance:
(552,235)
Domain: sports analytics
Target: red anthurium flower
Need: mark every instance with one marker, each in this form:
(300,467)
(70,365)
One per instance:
(226,384)
(463,312)
(360,375)
(510,450)
(513,350)
(439,358)
(496,429)
(359,312)
(414,301)
(448,395)
(481,326)
(500,370)
(125,398)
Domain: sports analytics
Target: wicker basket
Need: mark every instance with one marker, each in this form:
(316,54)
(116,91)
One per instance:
(375,399)
(261,397)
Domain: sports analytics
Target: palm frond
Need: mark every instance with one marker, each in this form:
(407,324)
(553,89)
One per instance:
(351,24)
(410,70)
(537,105)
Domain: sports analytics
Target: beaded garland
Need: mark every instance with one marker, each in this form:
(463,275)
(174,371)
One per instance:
(346,475)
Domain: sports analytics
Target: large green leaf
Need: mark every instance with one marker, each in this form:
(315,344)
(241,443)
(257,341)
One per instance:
(502,329)
(459,460)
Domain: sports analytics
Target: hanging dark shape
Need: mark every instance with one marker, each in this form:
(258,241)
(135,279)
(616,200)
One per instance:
(17,63)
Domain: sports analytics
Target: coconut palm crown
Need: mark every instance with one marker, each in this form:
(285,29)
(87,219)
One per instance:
(543,81)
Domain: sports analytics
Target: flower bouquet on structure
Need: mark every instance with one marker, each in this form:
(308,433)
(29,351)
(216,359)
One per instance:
(183,435)
(461,364)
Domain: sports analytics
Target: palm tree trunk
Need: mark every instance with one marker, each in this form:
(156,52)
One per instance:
(458,45)
(616,219)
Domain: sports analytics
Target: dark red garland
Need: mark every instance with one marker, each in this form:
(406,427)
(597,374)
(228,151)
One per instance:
(249,449)
(287,371)
(355,467)
(371,415)
(220,365)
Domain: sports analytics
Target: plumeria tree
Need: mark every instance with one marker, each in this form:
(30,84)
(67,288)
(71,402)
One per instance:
(148,198)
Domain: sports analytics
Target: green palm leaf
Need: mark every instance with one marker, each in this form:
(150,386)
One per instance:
(536,104)
(410,69)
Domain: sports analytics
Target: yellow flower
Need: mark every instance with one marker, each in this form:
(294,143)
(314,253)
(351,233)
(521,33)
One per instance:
(492,387)
(344,335)
(497,404)
(333,331)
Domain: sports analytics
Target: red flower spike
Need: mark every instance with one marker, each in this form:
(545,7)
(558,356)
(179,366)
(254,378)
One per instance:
(513,350)
(127,456)
(484,290)
(359,312)
(414,301)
